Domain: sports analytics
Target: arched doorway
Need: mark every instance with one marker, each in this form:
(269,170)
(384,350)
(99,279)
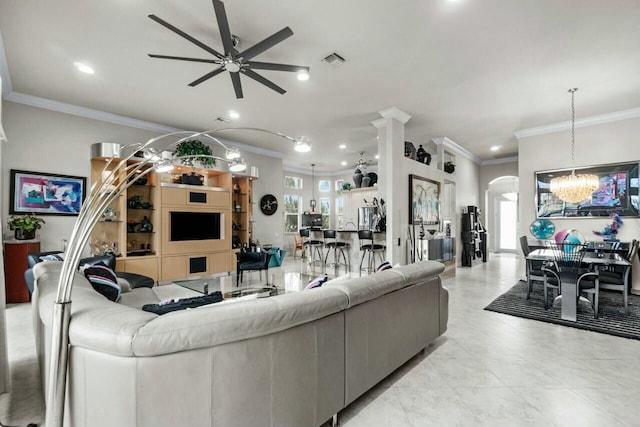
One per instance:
(502,200)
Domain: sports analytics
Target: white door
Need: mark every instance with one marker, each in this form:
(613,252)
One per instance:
(506,217)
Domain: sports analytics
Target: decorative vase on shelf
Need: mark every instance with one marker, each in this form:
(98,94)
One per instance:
(357,178)
(421,155)
(366,181)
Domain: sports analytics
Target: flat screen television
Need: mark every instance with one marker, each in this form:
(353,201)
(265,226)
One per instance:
(618,192)
(195,226)
(311,220)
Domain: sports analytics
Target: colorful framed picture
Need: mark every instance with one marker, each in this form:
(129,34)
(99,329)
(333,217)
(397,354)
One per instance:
(46,193)
(424,200)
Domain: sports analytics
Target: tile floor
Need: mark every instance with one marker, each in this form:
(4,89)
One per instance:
(491,369)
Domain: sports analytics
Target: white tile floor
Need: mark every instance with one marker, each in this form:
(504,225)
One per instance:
(491,369)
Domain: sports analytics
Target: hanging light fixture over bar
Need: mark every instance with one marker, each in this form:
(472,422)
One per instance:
(574,188)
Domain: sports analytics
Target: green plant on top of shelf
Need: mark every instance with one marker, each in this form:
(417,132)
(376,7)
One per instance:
(193,147)
(25,226)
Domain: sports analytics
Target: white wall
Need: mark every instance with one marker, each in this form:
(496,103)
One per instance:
(467,178)
(595,145)
(48,141)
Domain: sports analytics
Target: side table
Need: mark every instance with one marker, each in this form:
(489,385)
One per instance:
(15,264)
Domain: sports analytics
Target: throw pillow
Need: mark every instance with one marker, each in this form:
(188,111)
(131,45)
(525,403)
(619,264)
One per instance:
(317,282)
(51,257)
(183,304)
(103,280)
(384,266)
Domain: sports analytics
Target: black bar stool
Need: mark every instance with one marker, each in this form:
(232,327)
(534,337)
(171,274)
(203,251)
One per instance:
(369,249)
(331,243)
(315,247)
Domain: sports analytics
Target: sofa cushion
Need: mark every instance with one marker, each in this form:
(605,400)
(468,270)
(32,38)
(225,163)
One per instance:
(104,280)
(51,257)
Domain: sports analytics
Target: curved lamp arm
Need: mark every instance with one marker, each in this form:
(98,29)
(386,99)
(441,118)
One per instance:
(115,177)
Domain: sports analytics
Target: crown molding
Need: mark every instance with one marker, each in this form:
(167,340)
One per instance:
(499,161)
(90,113)
(379,123)
(395,113)
(580,123)
(447,143)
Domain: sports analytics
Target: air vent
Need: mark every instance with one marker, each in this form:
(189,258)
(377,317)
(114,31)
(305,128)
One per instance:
(334,59)
(223,120)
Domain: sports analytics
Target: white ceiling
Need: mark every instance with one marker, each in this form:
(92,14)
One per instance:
(474,71)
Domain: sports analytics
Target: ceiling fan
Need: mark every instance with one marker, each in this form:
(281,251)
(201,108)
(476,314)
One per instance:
(232,60)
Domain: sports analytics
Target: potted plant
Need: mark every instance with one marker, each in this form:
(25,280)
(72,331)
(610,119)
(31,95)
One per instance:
(193,147)
(449,167)
(25,226)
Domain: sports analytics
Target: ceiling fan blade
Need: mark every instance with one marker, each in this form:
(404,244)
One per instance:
(237,86)
(276,67)
(265,44)
(206,77)
(182,58)
(257,77)
(186,36)
(223,26)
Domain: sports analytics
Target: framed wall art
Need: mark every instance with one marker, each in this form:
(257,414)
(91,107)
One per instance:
(45,193)
(617,192)
(424,200)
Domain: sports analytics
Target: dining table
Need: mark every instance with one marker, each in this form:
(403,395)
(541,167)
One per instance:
(593,261)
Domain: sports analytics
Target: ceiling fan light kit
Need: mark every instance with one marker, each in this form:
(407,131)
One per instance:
(234,61)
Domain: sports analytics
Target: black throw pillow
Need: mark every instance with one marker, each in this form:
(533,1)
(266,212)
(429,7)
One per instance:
(103,280)
(183,304)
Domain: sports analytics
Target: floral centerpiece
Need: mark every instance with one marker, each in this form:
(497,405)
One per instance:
(609,232)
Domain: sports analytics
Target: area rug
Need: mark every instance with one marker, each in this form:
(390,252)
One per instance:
(612,319)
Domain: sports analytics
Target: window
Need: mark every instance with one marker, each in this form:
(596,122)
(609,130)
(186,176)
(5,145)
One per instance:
(325,211)
(293,182)
(340,212)
(292,204)
(324,186)
(339,184)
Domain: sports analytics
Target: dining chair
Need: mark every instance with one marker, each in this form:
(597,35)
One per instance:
(615,279)
(298,246)
(533,268)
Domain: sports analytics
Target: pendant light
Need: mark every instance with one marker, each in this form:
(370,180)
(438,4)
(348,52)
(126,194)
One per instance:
(312,202)
(574,188)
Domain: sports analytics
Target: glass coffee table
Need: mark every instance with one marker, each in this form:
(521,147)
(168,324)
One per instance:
(224,284)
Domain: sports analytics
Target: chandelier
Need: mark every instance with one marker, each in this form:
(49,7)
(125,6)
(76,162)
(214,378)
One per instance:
(574,188)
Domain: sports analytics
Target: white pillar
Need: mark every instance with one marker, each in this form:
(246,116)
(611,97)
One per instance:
(392,182)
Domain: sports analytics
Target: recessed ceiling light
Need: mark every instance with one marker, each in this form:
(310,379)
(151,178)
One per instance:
(377,156)
(496,147)
(84,68)
(342,146)
(343,163)
(233,114)
(303,75)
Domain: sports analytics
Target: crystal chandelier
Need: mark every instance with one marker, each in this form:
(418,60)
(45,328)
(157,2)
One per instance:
(574,188)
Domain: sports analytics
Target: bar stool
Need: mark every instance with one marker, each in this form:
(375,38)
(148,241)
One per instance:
(332,244)
(314,246)
(369,250)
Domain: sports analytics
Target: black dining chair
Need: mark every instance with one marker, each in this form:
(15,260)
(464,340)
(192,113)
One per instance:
(616,278)
(567,267)
(251,261)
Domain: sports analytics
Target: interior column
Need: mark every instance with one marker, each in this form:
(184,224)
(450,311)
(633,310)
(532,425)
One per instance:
(392,181)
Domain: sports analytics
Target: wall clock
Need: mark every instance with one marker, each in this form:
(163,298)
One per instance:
(268,204)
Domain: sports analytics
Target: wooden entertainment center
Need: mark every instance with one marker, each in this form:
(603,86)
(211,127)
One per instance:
(167,230)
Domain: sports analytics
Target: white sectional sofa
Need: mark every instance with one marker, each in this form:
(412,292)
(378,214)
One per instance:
(294,359)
